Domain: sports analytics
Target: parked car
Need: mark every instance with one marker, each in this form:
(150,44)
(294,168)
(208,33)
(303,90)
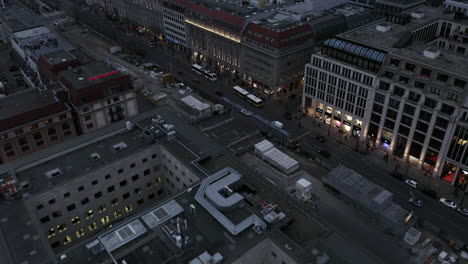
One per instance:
(398,176)
(196,80)
(277,124)
(324,153)
(448,203)
(321,139)
(463,211)
(181,73)
(411,183)
(416,202)
(245,112)
(429,192)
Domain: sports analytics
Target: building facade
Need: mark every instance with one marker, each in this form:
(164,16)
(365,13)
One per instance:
(99,95)
(215,38)
(33,120)
(92,197)
(414,105)
(175,29)
(143,13)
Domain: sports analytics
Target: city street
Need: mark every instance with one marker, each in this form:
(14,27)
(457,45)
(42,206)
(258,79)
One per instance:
(370,165)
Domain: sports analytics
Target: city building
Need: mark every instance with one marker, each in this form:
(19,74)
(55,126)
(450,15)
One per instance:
(98,95)
(215,37)
(274,52)
(30,44)
(146,14)
(382,7)
(140,198)
(457,6)
(396,84)
(175,30)
(51,64)
(32,120)
(15,17)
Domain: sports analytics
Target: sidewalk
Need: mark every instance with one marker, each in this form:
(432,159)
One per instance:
(442,187)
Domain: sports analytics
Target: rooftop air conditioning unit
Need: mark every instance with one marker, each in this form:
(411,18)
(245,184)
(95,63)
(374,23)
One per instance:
(431,53)
(417,15)
(383,27)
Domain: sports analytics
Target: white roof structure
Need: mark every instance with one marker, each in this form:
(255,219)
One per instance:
(195,103)
(276,157)
(263,146)
(303,183)
(281,160)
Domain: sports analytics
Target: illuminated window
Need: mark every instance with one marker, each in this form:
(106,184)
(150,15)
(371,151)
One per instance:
(80,233)
(92,226)
(89,214)
(158,180)
(75,220)
(51,233)
(102,208)
(61,228)
(105,220)
(115,202)
(128,208)
(67,240)
(117,214)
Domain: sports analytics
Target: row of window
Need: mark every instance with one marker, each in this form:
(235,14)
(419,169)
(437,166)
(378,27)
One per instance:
(427,73)
(25,143)
(341,70)
(33,126)
(105,220)
(102,207)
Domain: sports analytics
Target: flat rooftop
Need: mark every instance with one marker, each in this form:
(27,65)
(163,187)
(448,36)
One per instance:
(401,3)
(41,40)
(205,233)
(17,17)
(28,105)
(447,61)
(90,74)
(59,56)
(368,35)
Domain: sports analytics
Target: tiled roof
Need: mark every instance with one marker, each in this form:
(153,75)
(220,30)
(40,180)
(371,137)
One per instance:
(277,39)
(32,115)
(219,15)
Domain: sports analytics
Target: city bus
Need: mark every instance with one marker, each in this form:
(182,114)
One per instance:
(198,69)
(240,92)
(255,101)
(210,76)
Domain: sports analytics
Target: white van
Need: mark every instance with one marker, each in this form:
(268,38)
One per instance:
(277,124)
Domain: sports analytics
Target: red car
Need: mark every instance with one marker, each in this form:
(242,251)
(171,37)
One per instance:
(195,80)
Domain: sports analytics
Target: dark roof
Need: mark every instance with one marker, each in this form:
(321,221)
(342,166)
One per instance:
(24,107)
(89,75)
(218,15)
(277,39)
(59,56)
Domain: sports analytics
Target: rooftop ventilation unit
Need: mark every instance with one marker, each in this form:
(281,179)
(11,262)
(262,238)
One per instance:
(383,27)
(119,146)
(54,173)
(94,156)
(160,214)
(125,232)
(431,53)
(417,15)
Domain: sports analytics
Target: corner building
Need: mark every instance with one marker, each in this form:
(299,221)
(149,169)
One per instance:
(398,85)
